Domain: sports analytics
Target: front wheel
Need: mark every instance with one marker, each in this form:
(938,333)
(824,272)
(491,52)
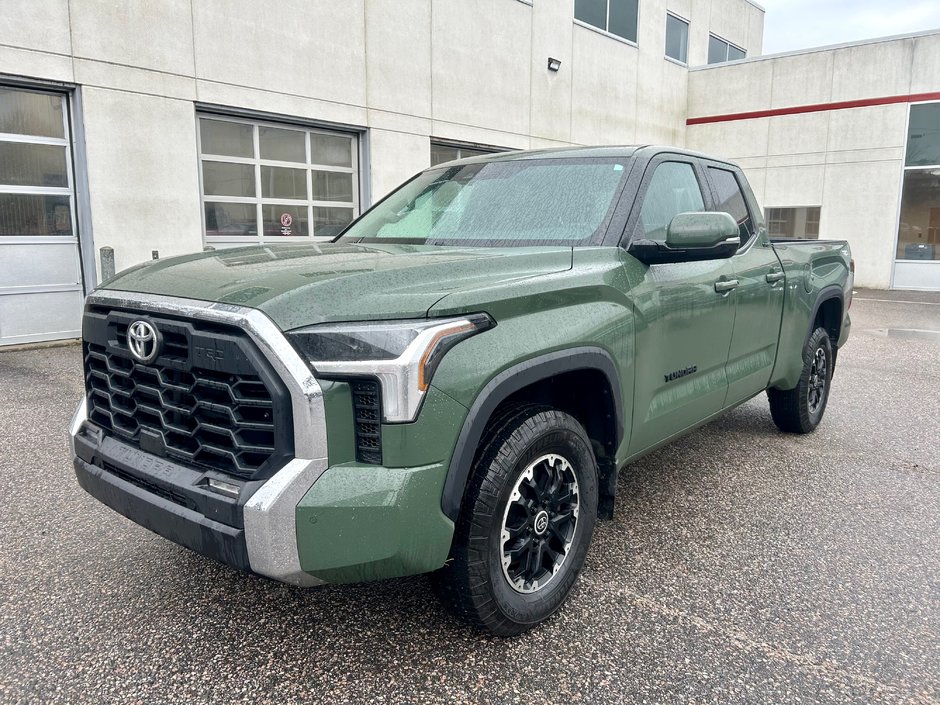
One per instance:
(525,524)
(799,410)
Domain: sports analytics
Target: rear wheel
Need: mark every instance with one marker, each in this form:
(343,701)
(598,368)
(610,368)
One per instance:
(799,410)
(526,522)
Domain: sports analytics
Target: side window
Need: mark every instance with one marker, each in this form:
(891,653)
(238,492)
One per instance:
(672,190)
(731,201)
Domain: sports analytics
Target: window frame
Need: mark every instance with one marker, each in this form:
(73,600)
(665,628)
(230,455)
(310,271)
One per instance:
(688,32)
(728,46)
(605,31)
(484,149)
(69,190)
(770,234)
(257,163)
(906,169)
(630,230)
(739,179)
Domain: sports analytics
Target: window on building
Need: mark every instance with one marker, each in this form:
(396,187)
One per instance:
(731,200)
(443,152)
(801,223)
(919,228)
(677,38)
(618,17)
(721,50)
(266,182)
(672,190)
(35,169)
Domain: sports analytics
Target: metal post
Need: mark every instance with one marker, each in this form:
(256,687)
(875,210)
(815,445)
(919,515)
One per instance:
(107,262)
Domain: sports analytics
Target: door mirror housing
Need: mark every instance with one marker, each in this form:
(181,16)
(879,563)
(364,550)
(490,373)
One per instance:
(691,237)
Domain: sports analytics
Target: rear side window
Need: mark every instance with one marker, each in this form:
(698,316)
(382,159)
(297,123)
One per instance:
(731,201)
(672,190)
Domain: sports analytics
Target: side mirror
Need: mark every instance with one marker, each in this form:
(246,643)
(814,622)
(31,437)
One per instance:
(691,237)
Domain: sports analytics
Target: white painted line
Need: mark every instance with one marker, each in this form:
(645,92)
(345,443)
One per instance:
(897,301)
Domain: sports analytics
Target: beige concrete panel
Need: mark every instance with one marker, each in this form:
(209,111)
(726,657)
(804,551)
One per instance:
(97,73)
(314,49)
(868,128)
(748,162)
(551,91)
(804,79)
(395,157)
(739,88)
(730,20)
(143,182)
(872,70)
(478,135)
(799,134)
(399,122)
(36,24)
(736,139)
(860,205)
(683,8)
(794,186)
(926,76)
(808,159)
(755,31)
(398,51)
(35,64)
(866,155)
(757,178)
(603,95)
(281,103)
(699,13)
(153,35)
(662,89)
(542,143)
(481,59)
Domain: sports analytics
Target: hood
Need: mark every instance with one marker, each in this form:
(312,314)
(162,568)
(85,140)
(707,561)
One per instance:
(299,285)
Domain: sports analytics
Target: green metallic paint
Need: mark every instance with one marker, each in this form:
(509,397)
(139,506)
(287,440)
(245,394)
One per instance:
(340,429)
(300,285)
(365,522)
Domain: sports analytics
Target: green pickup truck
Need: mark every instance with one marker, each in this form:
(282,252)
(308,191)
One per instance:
(453,384)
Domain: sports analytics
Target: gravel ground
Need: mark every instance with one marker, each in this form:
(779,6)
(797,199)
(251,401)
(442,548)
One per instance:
(743,565)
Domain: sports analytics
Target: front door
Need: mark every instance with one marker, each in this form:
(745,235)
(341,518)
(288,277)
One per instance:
(683,325)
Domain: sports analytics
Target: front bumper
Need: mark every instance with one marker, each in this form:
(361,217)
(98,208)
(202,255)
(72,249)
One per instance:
(258,532)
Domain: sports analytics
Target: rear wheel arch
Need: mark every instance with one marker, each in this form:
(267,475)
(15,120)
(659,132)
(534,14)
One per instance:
(828,313)
(569,380)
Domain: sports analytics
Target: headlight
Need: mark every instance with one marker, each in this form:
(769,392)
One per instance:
(402,355)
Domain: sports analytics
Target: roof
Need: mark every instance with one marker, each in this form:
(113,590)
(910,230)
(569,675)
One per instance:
(613,151)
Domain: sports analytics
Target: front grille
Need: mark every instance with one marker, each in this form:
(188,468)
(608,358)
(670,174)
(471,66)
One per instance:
(367,411)
(208,401)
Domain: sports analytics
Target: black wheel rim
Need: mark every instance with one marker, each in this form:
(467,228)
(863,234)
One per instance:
(539,523)
(818,378)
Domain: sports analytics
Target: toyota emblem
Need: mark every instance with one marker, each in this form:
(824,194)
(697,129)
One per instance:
(143,341)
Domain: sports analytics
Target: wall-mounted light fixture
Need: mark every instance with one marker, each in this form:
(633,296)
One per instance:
(554,64)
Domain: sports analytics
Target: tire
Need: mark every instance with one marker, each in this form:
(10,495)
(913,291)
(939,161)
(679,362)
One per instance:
(509,509)
(799,410)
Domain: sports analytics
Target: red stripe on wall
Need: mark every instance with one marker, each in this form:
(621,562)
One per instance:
(819,107)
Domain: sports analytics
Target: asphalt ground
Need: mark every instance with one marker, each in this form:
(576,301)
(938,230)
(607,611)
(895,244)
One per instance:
(743,566)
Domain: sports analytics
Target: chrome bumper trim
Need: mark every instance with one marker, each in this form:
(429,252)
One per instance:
(269,515)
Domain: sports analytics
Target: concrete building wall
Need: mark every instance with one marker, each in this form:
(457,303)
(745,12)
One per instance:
(400,71)
(848,160)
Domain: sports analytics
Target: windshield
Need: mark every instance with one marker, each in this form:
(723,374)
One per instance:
(502,203)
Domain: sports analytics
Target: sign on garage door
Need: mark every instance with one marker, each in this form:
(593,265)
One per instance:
(40,270)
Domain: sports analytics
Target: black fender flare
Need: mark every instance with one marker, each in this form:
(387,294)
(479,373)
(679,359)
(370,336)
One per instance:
(499,388)
(833,291)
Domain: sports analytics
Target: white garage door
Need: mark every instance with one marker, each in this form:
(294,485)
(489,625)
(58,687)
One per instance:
(40,270)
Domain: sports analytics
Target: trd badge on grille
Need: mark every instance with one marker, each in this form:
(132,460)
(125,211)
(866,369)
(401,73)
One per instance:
(143,340)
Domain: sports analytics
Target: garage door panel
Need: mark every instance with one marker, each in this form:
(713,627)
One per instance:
(40,265)
(60,313)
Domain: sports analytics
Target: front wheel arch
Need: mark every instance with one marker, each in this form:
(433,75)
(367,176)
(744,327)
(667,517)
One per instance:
(511,382)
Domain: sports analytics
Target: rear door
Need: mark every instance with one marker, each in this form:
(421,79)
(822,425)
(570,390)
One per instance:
(683,326)
(759,294)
